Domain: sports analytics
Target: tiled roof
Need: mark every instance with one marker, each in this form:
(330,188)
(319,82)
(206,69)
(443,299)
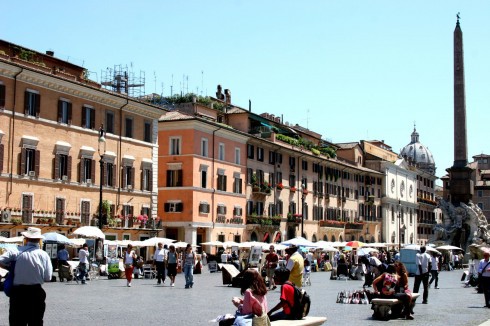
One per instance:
(174,116)
(347,145)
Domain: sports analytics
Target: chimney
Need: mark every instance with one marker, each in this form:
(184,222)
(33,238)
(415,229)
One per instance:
(50,53)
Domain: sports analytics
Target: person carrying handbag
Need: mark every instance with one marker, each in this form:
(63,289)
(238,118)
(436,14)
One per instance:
(129,259)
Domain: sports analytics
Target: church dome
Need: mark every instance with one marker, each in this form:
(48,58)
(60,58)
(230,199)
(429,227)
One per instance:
(418,153)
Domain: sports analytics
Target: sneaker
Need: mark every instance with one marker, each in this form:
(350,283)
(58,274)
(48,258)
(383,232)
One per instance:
(274,287)
(172,285)
(436,287)
(409,317)
(158,283)
(424,302)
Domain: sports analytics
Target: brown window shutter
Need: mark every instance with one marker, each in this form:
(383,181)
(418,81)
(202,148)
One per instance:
(56,167)
(180,178)
(123,171)
(92,171)
(92,118)
(166,207)
(37,162)
(133,183)
(150,182)
(68,168)
(69,113)
(131,210)
(84,117)
(169,176)
(60,111)
(2,96)
(1,154)
(142,185)
(37,98)
(80,170)
(114,175)
(26,102)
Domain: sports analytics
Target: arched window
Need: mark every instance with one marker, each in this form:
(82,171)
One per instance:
(325,237)
(253,236)
(372,239)
(341,239)
(332,238)
(313,238)
(392,214)
(393,237)
(361,238)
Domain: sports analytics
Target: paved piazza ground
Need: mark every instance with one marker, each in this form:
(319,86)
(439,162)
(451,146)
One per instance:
(105,302)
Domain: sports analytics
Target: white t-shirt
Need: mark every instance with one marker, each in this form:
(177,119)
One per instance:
(422,259)
(435,264)
(160,254)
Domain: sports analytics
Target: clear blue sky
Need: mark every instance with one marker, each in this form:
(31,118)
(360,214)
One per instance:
(349,70)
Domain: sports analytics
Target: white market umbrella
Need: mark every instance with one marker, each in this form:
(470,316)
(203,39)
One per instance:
(298,241)
(377,244)
(365,251)
(417,247)
(182,244)
(51,237)
(18,239)
(154,241)
(277,246)
(90,232)
(77,242)
(229,244)
(448,248)
(325,246)
(213,243)
(249,244)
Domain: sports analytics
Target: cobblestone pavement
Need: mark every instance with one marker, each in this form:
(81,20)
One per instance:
(104,302)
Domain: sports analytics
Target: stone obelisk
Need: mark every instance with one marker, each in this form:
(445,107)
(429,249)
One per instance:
(460,182)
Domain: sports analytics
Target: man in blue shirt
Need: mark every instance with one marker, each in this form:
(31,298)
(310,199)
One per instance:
(33,268)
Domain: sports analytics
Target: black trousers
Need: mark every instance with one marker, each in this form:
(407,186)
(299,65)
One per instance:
(160,266)
(27,305)
(424,279)
(435,277)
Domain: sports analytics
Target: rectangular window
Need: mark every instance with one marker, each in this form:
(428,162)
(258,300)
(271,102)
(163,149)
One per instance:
(278,177)
(128,130)
(32,103)
(480,205)
(480,193)
(62,165)
(88,117)
(250,151)
(221,209)
(292,180)
(204,178)
(30,161)
(204,147)
(128,177)
(146,180)
(175,146)
(203,208)
(221,152)
(173,207)
(174,178)
(250,207)
(109,122)
(237,155)
(109,174)
(304,165)
(260,154)
(87,167)
(237,186)
(64,112)
(272,157)
(222,182)
(147,132)
(237,211)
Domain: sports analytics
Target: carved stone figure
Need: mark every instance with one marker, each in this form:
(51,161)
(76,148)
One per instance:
(219,94)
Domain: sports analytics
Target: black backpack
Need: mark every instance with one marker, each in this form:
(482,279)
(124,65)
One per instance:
(302,302)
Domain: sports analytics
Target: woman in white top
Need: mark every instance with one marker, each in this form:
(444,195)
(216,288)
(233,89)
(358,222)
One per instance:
(129,258)
(83,256)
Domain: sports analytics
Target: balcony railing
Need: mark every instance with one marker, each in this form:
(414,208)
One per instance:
(264,220)
(354,226)
(332,224)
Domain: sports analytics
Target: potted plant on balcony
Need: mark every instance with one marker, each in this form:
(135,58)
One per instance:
(292,189)
(255,184)
(280,186)
(16,221)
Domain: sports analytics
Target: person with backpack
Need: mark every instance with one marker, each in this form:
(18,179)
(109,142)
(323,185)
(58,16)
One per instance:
(286,303)
(294,301)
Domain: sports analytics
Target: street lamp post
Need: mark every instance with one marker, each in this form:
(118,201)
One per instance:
(303,188)
(101,150)
(399,225)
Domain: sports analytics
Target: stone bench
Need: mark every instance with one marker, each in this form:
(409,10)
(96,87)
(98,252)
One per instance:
(307,321)
(385,309)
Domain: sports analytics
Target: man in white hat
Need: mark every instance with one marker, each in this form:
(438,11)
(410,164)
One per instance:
(33,267)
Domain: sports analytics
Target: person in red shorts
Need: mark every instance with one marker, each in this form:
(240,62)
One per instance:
(286,303)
